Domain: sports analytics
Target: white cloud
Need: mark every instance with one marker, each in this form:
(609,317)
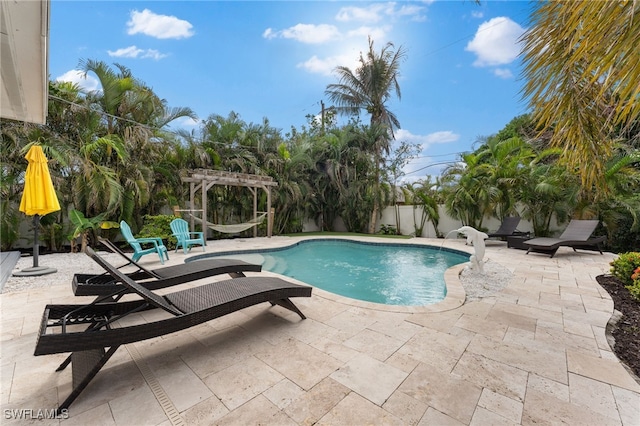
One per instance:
(125,52)
(134,52)
(372,13)
(477,14)
(306,33)
(503,73)
(185,123)
(496,42)
(444,136)
(326,66)
(378,11)
(376,33)
(87,83)
(158,26)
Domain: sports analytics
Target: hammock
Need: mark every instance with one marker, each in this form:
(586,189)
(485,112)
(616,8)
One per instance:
(232,228)
(237,227)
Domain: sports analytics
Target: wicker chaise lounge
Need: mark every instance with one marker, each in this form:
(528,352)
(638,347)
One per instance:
(86,330)
(105,284)
(577,236)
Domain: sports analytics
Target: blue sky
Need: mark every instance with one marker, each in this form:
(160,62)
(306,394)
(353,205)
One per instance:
(460,79)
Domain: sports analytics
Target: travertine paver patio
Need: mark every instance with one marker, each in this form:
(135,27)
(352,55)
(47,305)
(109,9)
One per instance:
(534,353)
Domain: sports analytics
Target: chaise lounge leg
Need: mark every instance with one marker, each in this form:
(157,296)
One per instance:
(288,304)
(85,365)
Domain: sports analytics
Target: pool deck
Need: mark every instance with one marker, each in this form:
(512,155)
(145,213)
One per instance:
(534,353)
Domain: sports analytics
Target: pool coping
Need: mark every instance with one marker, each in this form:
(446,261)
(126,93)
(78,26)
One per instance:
(454,298)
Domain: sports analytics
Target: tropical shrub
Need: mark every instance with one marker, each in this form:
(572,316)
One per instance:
(625,267)
(634,288)
(158,227)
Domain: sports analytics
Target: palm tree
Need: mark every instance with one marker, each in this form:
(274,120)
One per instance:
(582,79)
(372,85)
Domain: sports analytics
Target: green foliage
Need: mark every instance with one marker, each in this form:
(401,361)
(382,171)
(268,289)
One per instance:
(634,288)
(87,228)
(386,229)
(9,225)
(625,266)
(158,227)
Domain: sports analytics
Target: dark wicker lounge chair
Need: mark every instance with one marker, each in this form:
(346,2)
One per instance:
(508,228)
(577,235)
(105,284)
(86,330)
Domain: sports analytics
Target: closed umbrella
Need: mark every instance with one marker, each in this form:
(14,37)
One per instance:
(38,199)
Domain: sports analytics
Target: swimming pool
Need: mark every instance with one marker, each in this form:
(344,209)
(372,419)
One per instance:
(387,273)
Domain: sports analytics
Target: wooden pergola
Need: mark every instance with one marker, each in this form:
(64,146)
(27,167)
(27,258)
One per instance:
(203,179)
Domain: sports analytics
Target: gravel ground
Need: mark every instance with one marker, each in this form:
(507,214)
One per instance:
(66,264)
(476,285)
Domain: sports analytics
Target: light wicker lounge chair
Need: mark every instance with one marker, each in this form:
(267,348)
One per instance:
(577,235)
(86,330)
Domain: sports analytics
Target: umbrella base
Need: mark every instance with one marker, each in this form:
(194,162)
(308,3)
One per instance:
(34,271)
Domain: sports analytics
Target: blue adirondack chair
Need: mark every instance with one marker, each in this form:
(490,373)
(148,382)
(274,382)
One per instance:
(157,246)
(186,238)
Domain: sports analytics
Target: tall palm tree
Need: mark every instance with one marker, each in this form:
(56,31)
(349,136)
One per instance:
(582,78)
(369,88)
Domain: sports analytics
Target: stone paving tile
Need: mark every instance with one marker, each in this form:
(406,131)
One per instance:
(448,394)
(258,410)
(356,410)
(485,327)
(115,381)
(242,382)
(126,408)
(437,321)
(314,404)
(281,394)
(482,417)
(374,344)
(596,396)
(219,350)
(438,349)
(628,404)
(302,364)
(540,408)
(370,378)
(335,349)
(435,417)
(400,330)
(549,387)
(548,364)
(492,375)
(407,409)
(99,416)
(206,412)
(556,339)
(604,370)
(183,387)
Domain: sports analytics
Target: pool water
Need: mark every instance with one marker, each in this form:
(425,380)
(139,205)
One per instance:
(392,274)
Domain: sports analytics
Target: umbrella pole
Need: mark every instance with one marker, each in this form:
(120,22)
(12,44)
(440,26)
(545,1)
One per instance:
(36,243)
(35,270)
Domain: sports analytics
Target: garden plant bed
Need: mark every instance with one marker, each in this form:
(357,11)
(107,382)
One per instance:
(626,330)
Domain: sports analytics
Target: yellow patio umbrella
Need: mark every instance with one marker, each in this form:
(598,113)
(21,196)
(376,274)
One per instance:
(38,199)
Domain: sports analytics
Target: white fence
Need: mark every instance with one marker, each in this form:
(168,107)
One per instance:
(408,217)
